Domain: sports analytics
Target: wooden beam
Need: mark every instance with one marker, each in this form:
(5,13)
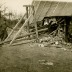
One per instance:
(15,27)
(33,33)
(25,24)
(34,14)
(20,29)
(27,5)
(36,29)
(35,23)
(27,17)
(25,35)
(23,42)
(67,23)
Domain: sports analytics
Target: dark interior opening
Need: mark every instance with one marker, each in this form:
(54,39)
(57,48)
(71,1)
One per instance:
(63,22)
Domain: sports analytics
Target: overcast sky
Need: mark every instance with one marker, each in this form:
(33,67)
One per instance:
(15,5)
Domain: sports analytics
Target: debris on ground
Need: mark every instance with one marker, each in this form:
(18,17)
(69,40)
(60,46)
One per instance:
(64,49)
(55,41)
(41,45)
(48,63)
(45,62)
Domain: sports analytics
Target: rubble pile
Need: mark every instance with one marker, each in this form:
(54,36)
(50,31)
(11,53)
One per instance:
(51,40)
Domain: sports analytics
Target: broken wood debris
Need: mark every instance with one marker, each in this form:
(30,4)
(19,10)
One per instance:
(24,35)
(23,42)
(55,41)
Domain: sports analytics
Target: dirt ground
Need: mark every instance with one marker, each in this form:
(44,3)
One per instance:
(32,58)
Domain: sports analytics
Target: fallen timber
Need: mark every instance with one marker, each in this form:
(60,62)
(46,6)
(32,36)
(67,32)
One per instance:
(24,35)
(23,42)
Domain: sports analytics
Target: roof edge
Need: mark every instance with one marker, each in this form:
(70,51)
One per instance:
(55,0)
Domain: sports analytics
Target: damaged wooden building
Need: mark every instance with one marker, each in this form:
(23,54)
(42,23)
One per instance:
(46,16)
(58,14)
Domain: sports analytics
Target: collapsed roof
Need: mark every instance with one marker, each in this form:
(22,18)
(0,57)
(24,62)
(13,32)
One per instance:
(51,8)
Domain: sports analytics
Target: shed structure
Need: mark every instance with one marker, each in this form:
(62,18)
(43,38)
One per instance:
(46,8)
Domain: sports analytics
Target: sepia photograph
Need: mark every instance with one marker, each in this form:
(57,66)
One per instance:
(35,35)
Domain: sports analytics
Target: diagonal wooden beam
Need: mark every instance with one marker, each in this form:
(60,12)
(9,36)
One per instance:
(20,29)
(15,27)
(24,25)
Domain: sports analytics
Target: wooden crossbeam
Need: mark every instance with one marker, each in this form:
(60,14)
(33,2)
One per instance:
(27,5)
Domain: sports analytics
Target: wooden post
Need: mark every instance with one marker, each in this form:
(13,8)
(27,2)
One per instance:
(34,14)
(35,23)
(67,23)
(65,30)
(27,17)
